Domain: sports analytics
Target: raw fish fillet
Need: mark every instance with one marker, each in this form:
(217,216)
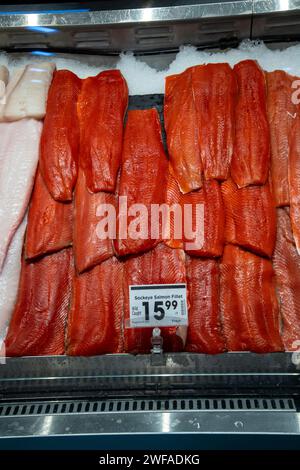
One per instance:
(204,331)
(19,152)
(214,89)
(28,96)
(50,223)
(162,265)
(280,114)
(250,217)
(251,155)
(143,181)
(175,218)
(60,137)
(89,248)
(7,90)
(9,279)
(96,317)
(286,263)
(294,180)
(102,106)
(39,319)
(213,224)
(182,132)
(249,308)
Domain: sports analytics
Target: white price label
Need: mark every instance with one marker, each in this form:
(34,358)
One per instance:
(158,305)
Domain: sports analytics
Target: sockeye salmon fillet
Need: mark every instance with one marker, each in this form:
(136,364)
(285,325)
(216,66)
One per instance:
(249,308)
(182,132)
(250,217)
(212,226)
(50,223)
(161,265)
(90,248)
(173,236)
(96,318)
(286,263)
(294,180)
(214,90)
(204,331)
(251,155)
(102,106)
(280,114)
(60,137)
(143,181)
(39,319)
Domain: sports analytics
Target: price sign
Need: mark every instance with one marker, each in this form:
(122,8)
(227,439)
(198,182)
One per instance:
(158,305)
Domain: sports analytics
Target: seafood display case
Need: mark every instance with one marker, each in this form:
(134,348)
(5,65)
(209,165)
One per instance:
(157,393)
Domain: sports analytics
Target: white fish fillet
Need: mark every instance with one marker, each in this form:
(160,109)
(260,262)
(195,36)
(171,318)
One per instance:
(26,95)
(4,74)
(9,89)
(9,279)
(19,153)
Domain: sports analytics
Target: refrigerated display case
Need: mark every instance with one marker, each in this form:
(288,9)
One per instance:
(160,394)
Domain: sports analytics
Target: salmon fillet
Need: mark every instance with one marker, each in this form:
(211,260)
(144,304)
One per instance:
(249,308)
(101,109)
(250,217)
(143,181)
(60,136)
(96,318)
(214,220)
(182,132)
(89,248)
(215,90)
(39,319)
(251,155)
(175,219)
(204,331)
(280,114)
(294,180)
(286,263)
(50,222)
(162,265)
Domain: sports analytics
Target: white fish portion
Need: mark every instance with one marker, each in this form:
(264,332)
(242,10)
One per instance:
(26,94)
(4,74)
(19,154)
(9,279)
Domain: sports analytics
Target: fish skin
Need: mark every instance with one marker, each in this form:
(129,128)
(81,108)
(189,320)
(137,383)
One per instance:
(161,265)
(60,137)
(294,180)
(250,217)
(280,114)
(89,249)
(27,96)
(214,219)
(143,175)
(9,279)
(96,318)
(204,331)
(19,152)
(249,307)
(286,263)
(102,106)
(215,91)
(38,323)
(182,132)
(50,223)
(251,155)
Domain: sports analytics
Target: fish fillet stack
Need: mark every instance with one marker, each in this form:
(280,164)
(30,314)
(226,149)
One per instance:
(229,183)
(23,99)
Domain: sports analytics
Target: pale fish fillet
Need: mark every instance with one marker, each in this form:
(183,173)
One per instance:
(19,153)
(9,279)
(8,89)
(29,91)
